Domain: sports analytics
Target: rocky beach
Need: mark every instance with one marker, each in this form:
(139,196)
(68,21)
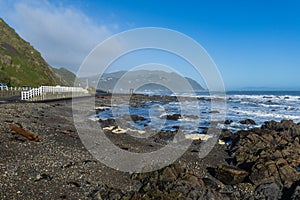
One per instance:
(260,163)
(149,100)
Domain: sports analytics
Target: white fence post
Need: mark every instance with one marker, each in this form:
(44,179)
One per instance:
(34,92)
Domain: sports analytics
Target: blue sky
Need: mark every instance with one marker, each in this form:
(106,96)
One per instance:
(253,43)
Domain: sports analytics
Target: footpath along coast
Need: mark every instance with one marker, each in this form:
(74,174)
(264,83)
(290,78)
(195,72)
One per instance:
(261,163)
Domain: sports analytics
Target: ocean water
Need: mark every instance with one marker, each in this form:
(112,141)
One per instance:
(197,115)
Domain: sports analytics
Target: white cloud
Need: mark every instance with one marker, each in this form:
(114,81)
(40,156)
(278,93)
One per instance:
(64,35)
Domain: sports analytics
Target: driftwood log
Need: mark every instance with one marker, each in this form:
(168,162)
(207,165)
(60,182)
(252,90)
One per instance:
(24,133)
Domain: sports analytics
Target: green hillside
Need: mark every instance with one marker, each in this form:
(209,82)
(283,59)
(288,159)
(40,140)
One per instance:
(67,77)
(21,64)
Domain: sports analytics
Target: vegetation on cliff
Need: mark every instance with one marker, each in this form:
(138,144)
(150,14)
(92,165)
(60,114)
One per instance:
(21,64)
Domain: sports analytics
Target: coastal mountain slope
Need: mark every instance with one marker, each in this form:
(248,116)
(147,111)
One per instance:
(146,80)
(21,64)
(68,78)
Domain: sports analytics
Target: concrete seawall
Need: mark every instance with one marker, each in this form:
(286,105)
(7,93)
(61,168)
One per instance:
(57,96)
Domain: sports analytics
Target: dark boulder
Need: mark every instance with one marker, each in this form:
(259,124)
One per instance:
(174,182)
(227,121)
(172,117)
(271,154)
(163,137)
(134,117)
(230,175)
(214,112)
(227,136)
(107,122)
(210,183)
(248,122)
(268,191)
(296,194)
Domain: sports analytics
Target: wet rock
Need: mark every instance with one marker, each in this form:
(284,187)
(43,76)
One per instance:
(230,175)
(108,122)
(176,127)
(227,136)
(248,122)
(134,118)
(227,121)
(214,112)
(172,117)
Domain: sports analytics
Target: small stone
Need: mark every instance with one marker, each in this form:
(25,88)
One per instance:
(38,177)
(277,155)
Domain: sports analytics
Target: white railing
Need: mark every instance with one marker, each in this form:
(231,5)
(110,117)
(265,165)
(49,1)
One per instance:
(43,90)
